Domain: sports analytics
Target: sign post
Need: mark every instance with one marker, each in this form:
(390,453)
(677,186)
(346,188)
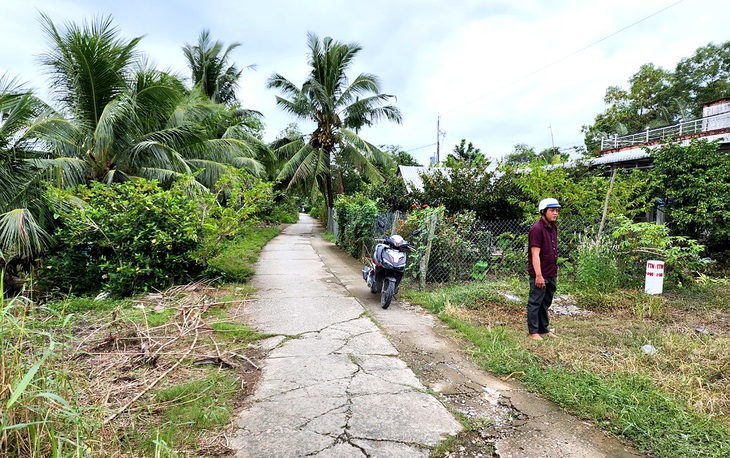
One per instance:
(654,277)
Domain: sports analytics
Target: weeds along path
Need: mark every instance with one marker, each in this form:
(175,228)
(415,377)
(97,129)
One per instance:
(500,417)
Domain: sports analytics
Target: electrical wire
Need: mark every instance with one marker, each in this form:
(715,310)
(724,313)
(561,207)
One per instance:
(562,58)
(419,147)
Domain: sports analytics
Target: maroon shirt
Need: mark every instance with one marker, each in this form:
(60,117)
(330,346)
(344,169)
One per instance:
(545,237)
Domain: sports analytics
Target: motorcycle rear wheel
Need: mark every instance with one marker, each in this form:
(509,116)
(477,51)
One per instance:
(388,292)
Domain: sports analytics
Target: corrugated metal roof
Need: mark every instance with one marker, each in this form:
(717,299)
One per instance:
(412,175)
(620,156)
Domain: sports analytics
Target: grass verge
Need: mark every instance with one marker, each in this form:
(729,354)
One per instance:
(160,375)
(235,262)
(672,404)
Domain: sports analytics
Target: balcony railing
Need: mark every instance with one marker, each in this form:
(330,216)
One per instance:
(694,126)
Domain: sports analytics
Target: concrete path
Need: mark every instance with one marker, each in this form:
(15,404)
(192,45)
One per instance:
(336,385)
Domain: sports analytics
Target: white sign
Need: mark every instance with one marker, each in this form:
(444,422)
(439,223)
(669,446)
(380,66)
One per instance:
(654,277)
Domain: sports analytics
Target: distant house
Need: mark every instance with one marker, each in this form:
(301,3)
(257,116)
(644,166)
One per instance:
(629,151)
(412,175)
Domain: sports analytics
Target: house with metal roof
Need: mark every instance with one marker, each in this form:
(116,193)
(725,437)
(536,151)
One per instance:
(630,151)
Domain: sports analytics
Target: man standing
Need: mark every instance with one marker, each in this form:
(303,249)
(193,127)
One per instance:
(542,265)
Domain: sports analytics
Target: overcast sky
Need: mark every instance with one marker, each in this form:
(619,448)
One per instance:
(497,73)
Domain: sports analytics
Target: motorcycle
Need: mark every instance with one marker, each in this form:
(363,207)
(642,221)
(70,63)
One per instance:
(388,264)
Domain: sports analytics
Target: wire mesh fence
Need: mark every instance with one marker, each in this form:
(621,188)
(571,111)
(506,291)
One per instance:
(485,249)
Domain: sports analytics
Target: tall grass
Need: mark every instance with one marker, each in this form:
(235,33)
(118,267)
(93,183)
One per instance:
(55,403)
(596,267)
(36,418)
(235,262)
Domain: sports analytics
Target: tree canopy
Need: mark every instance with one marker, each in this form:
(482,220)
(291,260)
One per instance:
(339,108)
(692,184)
(657,96)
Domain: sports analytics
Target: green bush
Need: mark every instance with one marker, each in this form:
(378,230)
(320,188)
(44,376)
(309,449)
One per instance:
(284,211)
(454,254)
(596,267)
(355,217)
(237,203)
(639,242)
(124,238)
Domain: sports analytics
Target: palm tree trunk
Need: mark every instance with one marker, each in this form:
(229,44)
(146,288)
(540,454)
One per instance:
(329,198)
(341,182)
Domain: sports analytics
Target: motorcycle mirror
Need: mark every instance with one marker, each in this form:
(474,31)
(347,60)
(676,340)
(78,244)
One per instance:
(416,232)
(381,224)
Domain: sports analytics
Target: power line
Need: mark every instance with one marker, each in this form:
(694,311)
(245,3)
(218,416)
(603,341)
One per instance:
(419,147)
(563,58)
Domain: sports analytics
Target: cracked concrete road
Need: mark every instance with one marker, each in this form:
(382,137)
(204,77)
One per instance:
(336,385)
(332,385)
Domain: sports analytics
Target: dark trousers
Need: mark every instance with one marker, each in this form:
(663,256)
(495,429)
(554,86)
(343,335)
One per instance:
(538,304)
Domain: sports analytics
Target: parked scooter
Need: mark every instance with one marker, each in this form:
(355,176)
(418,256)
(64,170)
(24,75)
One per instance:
(388,266)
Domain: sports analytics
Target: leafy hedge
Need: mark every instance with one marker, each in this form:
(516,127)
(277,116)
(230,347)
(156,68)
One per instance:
(355,218)
(124,238)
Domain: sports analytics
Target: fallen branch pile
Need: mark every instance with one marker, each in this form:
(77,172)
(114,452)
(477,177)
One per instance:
(126,357)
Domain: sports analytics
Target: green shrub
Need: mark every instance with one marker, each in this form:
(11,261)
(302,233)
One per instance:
(355,217)
(454,253)
(124,238)
(284,211)
(596,267)
(238,201)
(639,242)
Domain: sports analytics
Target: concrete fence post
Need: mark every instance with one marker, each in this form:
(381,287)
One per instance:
(426,257)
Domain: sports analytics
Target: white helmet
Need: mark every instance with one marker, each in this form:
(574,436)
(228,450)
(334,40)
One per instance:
(548,203)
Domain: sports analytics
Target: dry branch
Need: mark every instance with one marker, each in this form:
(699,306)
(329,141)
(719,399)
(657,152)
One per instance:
(149,387)
(245,358)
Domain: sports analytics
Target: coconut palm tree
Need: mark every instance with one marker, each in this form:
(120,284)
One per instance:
(210,70)
(338,108)
(21,203)
(122,119)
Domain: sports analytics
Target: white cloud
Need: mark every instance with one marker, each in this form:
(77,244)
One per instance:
(498,72)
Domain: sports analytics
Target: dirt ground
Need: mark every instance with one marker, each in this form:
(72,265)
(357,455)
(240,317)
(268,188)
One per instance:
(126,363)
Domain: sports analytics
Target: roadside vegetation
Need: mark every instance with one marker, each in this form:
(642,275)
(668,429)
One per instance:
(159,375)
(134,204)
(650,369)
(668,400)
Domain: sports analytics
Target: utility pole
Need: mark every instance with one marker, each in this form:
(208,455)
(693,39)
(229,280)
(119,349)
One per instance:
(552,141)
(438,138)
(439,134)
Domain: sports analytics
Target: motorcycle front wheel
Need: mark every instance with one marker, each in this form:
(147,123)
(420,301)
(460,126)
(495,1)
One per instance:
(374,287)
(388,292)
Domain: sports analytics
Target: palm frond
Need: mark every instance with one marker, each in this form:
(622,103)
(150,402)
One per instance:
(59,136)
(88,64)
(156,155)
(20,235)
(64,172)
(163,176)
(364,155)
